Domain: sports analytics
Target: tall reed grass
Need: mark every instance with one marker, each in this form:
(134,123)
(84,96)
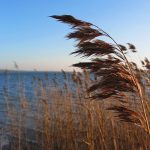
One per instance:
(117,76)
(63,117)
(104,107)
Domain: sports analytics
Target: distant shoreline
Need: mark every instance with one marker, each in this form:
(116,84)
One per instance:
(14,71)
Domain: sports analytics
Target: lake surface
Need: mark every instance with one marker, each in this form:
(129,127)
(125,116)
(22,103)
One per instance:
(15,84)
(18,84)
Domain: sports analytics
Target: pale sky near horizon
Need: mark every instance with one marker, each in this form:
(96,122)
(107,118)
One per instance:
(35,41)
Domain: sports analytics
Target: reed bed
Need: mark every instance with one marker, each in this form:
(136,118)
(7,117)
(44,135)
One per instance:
(104,107)
(63,117)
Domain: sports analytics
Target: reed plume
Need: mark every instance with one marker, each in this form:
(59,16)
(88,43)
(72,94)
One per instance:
(108,62)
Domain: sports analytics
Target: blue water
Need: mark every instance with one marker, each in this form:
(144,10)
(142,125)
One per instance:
(15,85)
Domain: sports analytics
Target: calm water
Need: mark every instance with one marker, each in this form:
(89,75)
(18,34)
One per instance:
(14,85)
(19,84)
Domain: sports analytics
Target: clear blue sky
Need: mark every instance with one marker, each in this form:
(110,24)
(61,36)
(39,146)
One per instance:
(35,41)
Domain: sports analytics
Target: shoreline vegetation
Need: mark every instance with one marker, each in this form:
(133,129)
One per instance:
(62,117)
(104,107)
